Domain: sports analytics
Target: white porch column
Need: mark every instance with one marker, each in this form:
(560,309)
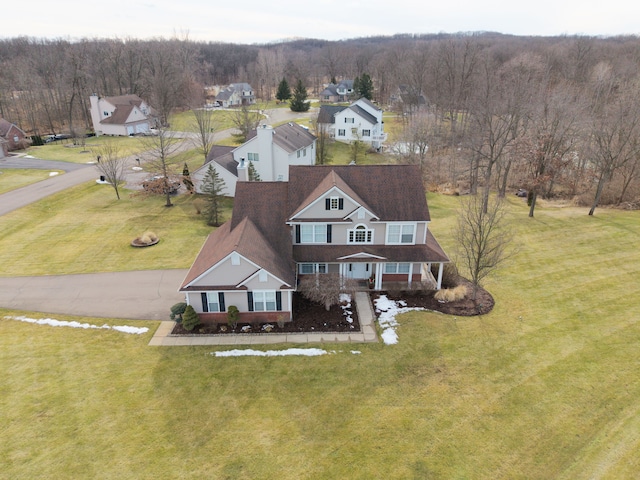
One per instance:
(440,268)
(410,274)
(290,294)
(378,285)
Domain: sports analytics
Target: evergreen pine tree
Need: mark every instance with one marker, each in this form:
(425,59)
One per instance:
(253,174)
(186,178)
(284,92)
(190,318)
(212,187)
(299,102)
(365,87)
(356,87)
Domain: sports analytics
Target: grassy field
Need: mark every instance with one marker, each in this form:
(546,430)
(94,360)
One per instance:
(185,121)
(12,178)
(87,229)
(66,151)
(545,386)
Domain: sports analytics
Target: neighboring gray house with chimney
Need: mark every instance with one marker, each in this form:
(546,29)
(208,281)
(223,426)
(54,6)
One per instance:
(271,150)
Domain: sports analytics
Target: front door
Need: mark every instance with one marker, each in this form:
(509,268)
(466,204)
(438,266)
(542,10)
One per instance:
(359,270)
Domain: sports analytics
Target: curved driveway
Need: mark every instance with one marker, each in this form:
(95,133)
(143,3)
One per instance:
(144,295)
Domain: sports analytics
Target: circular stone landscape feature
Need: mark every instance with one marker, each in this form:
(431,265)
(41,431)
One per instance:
(145,240)
(136,242)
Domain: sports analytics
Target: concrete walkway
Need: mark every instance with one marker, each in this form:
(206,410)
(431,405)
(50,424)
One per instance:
(163,337)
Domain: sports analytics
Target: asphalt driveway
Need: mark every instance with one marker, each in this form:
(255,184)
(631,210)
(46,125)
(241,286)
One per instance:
(140,295)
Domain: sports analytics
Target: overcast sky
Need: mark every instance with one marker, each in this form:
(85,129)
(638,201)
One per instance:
(263,21)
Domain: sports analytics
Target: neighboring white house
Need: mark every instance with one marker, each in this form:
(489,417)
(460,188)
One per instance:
(361,120)
(122,115)
(270,150)
(236,94)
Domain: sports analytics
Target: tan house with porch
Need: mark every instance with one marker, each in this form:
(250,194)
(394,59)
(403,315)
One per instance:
(367,223)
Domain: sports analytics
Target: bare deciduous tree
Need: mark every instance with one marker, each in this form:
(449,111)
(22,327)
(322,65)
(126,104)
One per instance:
(111,165)
(159,151)
(246,118)
(205,125)
(482,239)
(322,288)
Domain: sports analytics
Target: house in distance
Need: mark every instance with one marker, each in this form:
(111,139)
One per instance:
(122,115)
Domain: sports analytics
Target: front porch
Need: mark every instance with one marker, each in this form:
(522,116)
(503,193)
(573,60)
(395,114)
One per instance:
(378,276)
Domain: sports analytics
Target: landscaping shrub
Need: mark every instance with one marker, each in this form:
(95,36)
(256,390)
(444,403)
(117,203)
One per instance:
(232,316)
(190,318)
(177,311)
(451,294)
(450,277)
(148,237)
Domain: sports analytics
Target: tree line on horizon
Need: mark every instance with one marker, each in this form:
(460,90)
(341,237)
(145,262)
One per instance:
(554,115)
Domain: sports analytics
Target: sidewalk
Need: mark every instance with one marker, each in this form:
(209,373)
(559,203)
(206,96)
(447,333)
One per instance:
(163,337)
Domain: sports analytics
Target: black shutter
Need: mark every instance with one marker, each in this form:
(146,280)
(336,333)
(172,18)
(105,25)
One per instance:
(328,233)
(250,300)
(205,302)
(279,301)
(341,204)
(221,301)
(327,204)
(297,233)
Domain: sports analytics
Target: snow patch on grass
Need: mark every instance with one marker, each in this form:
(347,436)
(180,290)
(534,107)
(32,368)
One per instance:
(307,352)
(63,323)
(387,311)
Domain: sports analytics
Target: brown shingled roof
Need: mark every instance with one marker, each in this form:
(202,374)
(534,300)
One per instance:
(393,192)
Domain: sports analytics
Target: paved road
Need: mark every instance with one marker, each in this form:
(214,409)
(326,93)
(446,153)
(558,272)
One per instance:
(136,295)
(141,295)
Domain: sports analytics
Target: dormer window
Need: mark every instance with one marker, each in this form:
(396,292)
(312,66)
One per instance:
(361,234)
(334,203)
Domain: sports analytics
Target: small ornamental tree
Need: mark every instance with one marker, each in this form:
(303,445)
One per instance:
(253,174)
(177,311)
(299,102)
(190,318)
(284,91)
(212,187)
(321,288)
(186,178)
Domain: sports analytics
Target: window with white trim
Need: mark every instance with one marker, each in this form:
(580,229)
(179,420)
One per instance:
(361,234)
(341,132)
(308,268)
(401,233)
(264,301)
(396,267)
(366,133)
(213,302)
(253,157)
(334,203)
(313,233)
(349,120)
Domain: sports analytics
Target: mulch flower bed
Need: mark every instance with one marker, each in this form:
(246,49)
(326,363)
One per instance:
(308,317)
(312,317)
(464,308)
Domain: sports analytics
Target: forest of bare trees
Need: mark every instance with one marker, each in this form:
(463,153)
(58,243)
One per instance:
(557,116)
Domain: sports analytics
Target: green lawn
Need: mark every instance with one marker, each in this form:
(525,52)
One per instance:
(545,386)
(185,121)
(12,178)
(86,229)
(66,151)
